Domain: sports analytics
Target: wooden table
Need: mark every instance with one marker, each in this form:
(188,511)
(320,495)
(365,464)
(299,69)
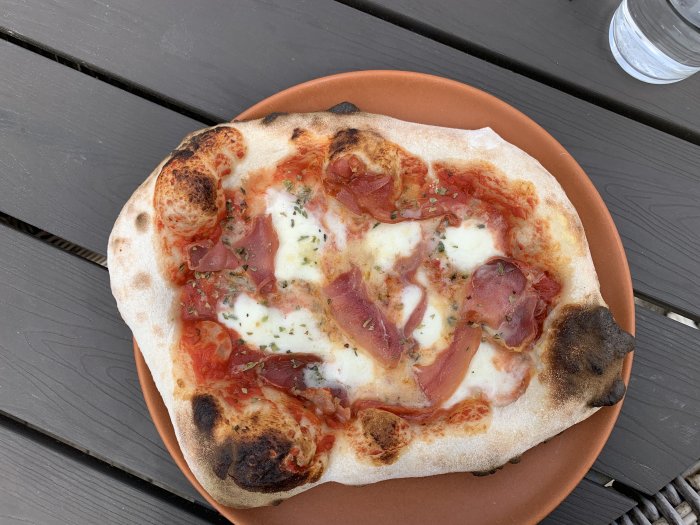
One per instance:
(93,94)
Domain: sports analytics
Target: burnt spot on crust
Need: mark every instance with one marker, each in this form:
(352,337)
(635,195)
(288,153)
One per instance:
(386,433)
(269,119)
(141,281)
(298,132)
(258,464)
(585,356)
(199,188)
(611,396)
(141,222)
(180,154)
(344,140)
(344,108)
(223,459)
(205,412)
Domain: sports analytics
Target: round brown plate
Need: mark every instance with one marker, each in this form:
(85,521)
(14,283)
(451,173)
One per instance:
(519,493)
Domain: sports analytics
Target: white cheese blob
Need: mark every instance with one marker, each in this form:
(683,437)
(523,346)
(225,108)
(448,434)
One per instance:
(301,239)
(410,297)
(484,377)
(431,327)
(387,242)
(468,245)
(338,231)
(298,332)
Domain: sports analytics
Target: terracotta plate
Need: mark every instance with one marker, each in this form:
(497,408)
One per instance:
(519,493)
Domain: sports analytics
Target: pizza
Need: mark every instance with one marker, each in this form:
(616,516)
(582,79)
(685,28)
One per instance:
(343,296)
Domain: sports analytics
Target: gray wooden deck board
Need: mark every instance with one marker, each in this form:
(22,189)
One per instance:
(41,485)
(563,42)
(589,504)
(66,361)
(73,149)
(657,436)
(204,56)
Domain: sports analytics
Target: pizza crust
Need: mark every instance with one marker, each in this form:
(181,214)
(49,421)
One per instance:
(146,298)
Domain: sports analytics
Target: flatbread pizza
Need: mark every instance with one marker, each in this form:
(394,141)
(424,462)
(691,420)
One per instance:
(343,296)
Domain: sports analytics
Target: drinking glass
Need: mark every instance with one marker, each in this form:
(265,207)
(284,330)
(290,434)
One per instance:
(657,41)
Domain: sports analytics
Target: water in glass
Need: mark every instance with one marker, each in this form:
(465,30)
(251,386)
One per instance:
(657,41)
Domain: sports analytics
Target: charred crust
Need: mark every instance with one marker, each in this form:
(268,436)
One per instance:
(298,132)
(385,430)
(223,458)
(206,139)
(200,189)
(258,464)
(612,396)
(141,221)
(344,140)
(586,354)
(344,108)
(206,413)
(269,119)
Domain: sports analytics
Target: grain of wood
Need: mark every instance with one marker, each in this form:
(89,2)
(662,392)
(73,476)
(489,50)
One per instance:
(41,485)
(563,42)
(205,56)
(66,361)
(590,504)
(657,435)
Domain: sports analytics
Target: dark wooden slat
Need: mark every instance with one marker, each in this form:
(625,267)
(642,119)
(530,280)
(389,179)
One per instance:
(219,57)
(66,361)
(41,485)
(657,436)
(72,149)
(564,41)
(590,504)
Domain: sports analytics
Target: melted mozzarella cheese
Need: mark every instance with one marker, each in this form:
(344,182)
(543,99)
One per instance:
(428,332)
(468,245)
(388,242)
(410,297)
(301,239)
(337,229)
(354,371)
(483,377)
(298,332)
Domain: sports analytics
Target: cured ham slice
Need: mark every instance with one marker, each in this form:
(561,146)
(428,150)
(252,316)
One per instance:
(257,251)
(363,320)
(510,297)
(205,256)
(440,379)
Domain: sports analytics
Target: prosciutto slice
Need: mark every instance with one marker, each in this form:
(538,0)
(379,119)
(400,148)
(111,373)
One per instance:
(257,251)
(287,370)
(510,297)
(363,320)
(440,379)
(205,256)
(360,190)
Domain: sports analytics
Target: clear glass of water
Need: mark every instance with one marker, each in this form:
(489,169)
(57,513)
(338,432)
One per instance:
(657,41)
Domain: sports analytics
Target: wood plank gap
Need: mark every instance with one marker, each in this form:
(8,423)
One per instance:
(91,462)
(665,307)
(53,240)
(108,78)
(483,53)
